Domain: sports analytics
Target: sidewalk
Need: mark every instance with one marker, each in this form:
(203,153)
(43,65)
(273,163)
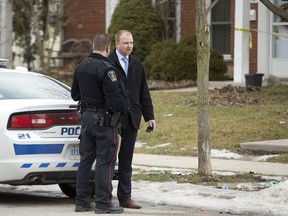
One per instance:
(212,85)
(233,165)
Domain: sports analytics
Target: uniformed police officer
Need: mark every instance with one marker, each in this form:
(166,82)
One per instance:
(98,88)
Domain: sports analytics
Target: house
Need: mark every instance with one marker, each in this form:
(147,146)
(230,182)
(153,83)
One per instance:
(251,38)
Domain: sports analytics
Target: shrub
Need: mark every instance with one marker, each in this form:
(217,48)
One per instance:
(218,68)
(156,66)
(173,62)
(142,20)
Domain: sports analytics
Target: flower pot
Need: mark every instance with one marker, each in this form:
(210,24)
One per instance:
(254,80)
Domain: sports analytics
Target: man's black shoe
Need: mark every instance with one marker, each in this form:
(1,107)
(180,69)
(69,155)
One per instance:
(84,208)
(109,210)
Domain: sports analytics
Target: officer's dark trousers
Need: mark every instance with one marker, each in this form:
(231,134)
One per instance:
(125,157)
(98,142)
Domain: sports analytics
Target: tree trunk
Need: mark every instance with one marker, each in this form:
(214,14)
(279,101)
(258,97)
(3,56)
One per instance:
(203,57)
(37,32)
(276,9)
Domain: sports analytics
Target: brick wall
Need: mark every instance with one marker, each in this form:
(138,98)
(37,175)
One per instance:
(188,15)
(84,18)
(253,50)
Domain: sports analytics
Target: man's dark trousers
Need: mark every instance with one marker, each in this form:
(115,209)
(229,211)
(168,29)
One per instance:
(125,157)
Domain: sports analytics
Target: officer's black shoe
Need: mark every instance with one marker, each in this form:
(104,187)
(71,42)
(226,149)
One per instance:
(110,210)
(84,208)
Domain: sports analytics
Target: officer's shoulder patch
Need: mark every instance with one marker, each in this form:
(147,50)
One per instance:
(112,75)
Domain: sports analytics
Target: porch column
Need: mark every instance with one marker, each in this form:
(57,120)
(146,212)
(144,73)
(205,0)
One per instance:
(110,6)
(263,54)
(241,40)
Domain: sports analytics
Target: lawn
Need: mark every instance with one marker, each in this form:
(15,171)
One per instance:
(235,115)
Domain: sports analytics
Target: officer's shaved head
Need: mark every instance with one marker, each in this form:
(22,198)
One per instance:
(102,42)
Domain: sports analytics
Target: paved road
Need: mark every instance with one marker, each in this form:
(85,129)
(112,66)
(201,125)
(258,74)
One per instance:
(30,200)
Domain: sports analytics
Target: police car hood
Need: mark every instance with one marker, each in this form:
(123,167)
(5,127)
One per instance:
(8,107)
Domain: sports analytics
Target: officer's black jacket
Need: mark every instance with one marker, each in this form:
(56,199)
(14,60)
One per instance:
(96,84)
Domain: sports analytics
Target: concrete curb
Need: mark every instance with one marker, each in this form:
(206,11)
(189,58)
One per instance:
(277,146)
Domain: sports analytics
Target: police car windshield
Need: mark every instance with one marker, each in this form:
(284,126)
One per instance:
(30,86)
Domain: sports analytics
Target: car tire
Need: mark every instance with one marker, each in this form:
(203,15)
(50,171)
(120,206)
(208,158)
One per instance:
(69,189)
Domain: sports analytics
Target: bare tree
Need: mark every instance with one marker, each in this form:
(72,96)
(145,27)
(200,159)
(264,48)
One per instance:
(57,21)
(36,26)
(23,30)
(203,57)
(281,11)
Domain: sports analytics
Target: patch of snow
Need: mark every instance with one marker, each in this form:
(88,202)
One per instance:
(263,157)
(158,146)
(139,144)
(216,153)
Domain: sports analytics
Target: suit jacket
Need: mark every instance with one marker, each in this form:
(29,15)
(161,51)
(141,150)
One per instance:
(137,90)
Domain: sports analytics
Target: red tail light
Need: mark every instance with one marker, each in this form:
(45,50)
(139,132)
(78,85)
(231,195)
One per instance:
(20,121)
(41,120)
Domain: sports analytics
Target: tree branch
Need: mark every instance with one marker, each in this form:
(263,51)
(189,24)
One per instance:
(213,3)
(276,9)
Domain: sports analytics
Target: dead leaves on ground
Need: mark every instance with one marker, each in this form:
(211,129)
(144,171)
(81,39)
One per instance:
(230,96)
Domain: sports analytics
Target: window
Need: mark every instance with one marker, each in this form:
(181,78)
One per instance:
(221,27)
(281,28)
(168,11)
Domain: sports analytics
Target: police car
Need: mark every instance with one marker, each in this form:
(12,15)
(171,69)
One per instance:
(39,131)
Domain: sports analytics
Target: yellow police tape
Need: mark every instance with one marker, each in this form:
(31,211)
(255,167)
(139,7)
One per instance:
(257,30)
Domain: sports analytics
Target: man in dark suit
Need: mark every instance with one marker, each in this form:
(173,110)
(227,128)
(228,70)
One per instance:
(134,80)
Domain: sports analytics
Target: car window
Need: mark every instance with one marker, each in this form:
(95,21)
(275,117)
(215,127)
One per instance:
(30,86)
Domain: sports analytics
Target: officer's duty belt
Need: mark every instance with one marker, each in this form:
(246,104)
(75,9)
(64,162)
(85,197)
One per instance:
(93,109)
